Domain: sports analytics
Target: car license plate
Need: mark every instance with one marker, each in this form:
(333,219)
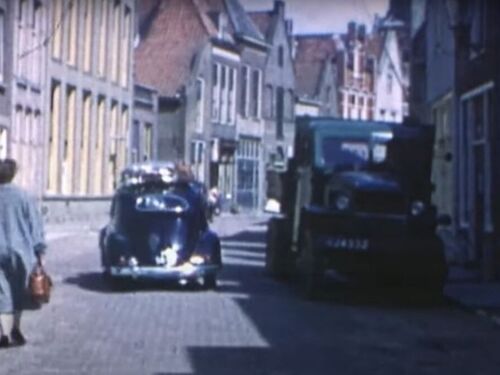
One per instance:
(348,243)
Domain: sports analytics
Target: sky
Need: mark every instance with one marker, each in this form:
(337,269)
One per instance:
(319,16)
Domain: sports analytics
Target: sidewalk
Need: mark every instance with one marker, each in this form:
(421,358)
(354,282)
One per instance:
(465,285)
(466,288)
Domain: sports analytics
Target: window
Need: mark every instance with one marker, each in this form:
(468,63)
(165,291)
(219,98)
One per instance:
(57,26)
(281,56)
(55,126)
(123,133)
(245,72)
(135,141)
(197,159)
(125,48)
(358,58)
(103,37)
(71,48)
(223,94)
(148,142)
(23,35)
(85,144)
(215,92)
(256,94)
(231,97)
(2,45)
(269,101)
(87,34)
(98,153)
(115,41)
(37,40)
(112,157)
(280,103)
(390,82)
(289,105)
(200,95)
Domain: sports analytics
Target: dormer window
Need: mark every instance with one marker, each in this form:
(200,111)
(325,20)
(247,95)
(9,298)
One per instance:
(222,25)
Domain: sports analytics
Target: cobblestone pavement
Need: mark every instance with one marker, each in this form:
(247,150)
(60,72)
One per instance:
(250,325)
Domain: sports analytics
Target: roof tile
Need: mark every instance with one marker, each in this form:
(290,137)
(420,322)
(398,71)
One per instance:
(176,33)
(312,53)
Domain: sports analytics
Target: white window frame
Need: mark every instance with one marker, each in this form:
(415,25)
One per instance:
(245,71)
(215,109)
(466,167)
(223,93)
(258,111)
(200,104)
(2,44)
(232,96)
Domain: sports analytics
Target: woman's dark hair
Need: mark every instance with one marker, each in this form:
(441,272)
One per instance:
(8,169)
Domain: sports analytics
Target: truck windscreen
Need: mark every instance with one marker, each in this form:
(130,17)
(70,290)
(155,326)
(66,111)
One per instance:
(351,154)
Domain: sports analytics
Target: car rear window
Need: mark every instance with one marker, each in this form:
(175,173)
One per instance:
(158,202)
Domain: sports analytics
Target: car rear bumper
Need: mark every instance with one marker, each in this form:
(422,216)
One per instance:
(185,271)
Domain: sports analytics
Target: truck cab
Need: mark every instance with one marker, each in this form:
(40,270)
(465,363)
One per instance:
(357,200)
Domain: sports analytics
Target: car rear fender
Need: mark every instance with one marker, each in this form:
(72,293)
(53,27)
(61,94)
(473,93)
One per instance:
(209,245)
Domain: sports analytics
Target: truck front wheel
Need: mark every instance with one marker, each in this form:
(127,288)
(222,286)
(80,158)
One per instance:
(310,273)
(277,249)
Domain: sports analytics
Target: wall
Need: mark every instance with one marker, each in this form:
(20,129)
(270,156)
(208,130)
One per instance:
(87,57)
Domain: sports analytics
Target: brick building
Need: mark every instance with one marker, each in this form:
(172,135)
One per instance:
(455,85)
(316,74)
(209,90)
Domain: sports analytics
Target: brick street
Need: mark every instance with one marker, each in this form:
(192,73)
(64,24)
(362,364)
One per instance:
(250,325)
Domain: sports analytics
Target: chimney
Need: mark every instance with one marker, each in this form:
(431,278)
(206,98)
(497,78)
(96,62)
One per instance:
(351,30)
(362,33)
(279,8)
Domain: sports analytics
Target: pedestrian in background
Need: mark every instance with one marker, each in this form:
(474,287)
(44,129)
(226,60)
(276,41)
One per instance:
(21,246)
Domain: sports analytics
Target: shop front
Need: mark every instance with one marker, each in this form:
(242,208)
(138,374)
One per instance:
(248,168)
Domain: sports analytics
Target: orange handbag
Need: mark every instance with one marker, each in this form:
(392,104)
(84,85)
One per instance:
(40,284)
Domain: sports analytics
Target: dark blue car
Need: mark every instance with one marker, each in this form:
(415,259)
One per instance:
(158,229)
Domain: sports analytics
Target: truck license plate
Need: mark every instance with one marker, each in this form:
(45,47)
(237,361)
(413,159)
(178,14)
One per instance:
(348,243)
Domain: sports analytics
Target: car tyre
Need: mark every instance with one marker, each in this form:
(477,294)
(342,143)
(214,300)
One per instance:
(276,261)
(210,281)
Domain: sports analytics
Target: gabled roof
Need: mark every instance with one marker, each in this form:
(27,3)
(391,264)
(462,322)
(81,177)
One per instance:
(242,23)
(171,34)
(313,52)
(263,20)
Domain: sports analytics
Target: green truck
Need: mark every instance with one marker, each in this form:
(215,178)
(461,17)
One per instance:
(356,199)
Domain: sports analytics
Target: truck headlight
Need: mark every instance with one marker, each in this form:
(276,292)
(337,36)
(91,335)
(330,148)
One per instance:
(197,260)
(342,202)
(417,208)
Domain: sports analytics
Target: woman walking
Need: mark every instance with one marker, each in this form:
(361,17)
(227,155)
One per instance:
(21,244)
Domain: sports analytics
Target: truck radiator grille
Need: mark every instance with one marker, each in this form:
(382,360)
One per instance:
(377,202)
